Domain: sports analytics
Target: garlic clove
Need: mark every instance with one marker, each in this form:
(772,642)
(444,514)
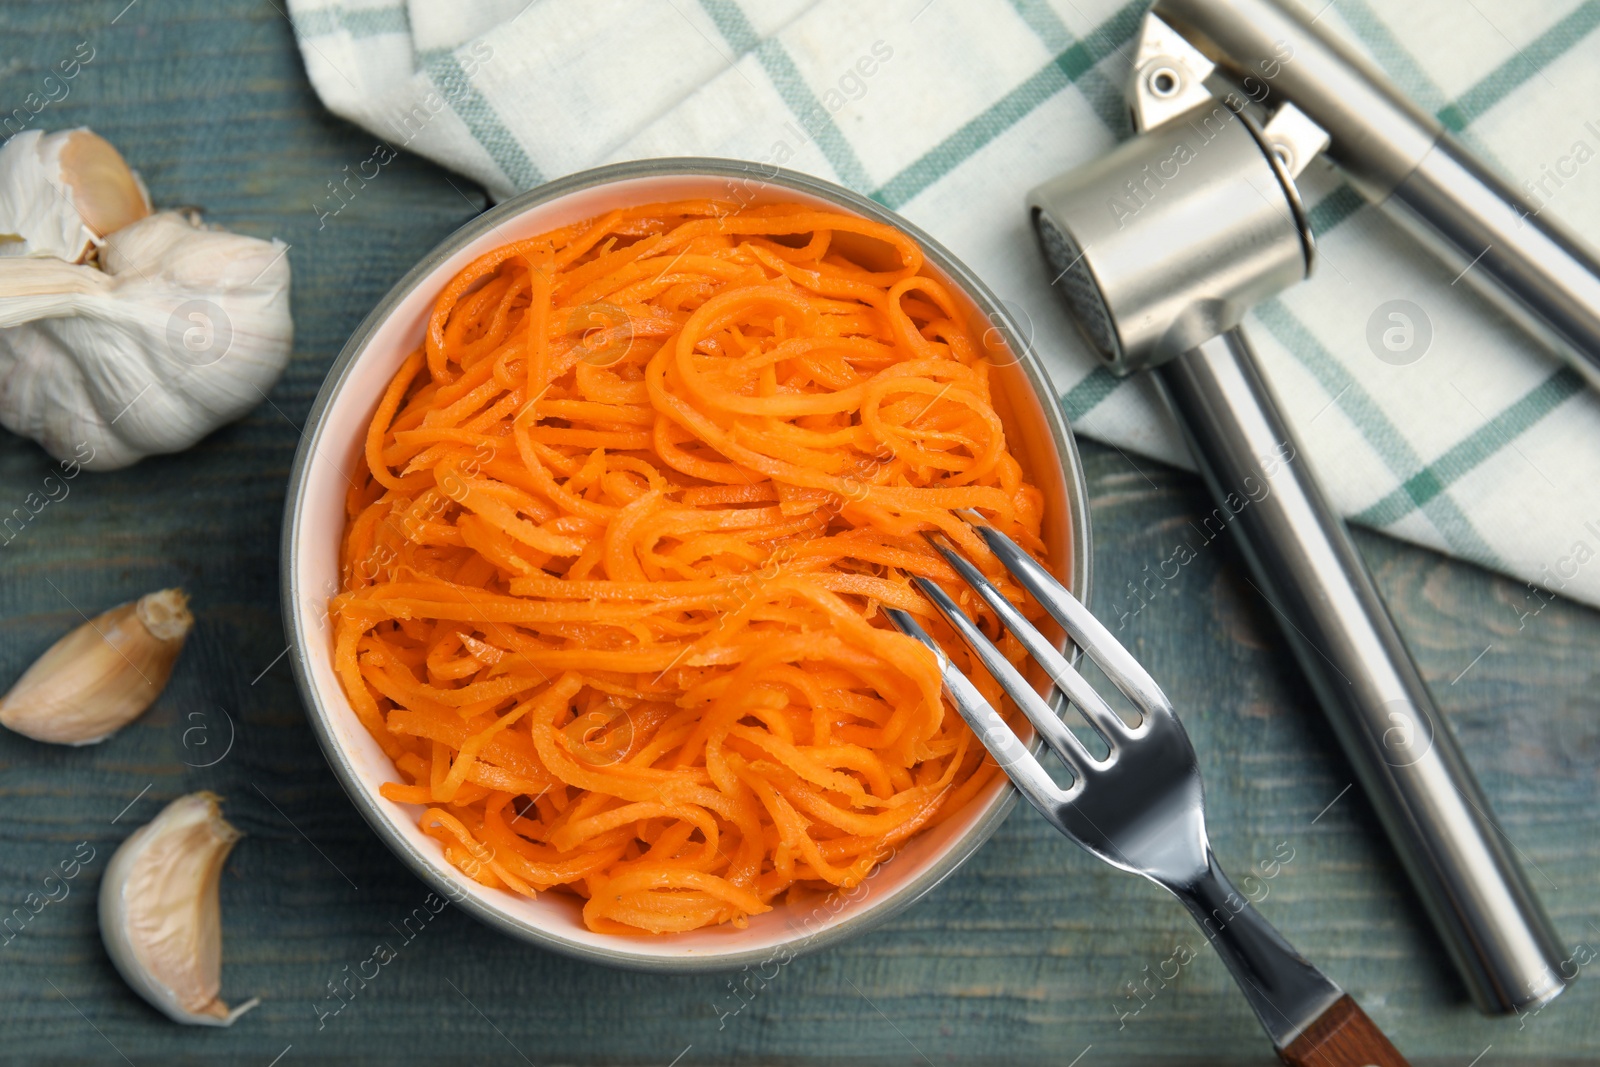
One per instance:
(61,193)
(160,912)
(104,189)
(102,675)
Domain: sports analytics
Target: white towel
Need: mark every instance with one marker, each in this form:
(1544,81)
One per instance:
(948,111)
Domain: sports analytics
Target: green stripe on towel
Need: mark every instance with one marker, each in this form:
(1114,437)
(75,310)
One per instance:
(1466,455)
(1067,67)
(1386,440)
(1516,71)
(485,124)
(815,120)
(369,22)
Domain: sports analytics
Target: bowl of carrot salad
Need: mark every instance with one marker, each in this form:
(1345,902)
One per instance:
(588,540)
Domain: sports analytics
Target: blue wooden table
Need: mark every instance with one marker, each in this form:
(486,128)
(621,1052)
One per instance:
(1028,955)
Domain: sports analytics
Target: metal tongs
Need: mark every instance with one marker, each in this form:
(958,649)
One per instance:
(1142,807)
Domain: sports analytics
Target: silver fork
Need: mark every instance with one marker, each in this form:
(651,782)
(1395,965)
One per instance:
(1142,807)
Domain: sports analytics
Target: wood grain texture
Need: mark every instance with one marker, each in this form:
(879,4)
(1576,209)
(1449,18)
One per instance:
(1342,1036)
(1032,953)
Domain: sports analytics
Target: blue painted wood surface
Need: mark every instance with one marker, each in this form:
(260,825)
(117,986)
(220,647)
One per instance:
(1026,956)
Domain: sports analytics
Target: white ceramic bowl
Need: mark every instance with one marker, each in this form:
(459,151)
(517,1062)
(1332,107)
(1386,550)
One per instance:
(330,450)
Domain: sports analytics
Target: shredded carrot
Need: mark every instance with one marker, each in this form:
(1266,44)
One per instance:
(613,572)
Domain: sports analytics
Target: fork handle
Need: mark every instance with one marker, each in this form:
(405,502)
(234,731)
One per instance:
(1309,1018)
(1342,1036)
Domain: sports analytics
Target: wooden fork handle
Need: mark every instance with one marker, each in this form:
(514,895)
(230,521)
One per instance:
(1342,1036)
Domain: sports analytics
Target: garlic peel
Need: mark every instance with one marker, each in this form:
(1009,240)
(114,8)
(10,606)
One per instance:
(60,193)
(161,913)
(180,330)
(102,675)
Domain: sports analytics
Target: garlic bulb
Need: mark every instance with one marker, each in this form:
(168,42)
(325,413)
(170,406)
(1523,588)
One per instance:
(102,675)
(160,915)
(176,330)
(60,193)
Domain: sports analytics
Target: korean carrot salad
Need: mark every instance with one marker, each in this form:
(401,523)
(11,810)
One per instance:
(614,567)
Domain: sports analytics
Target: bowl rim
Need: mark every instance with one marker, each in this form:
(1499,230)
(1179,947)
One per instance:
(350,780)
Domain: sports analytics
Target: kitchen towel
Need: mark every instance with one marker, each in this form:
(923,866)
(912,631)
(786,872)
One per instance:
(1426,414)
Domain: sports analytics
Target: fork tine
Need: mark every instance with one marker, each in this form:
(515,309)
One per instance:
(1013,756)
(1040,713)
(1089,632)
(1065,676)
